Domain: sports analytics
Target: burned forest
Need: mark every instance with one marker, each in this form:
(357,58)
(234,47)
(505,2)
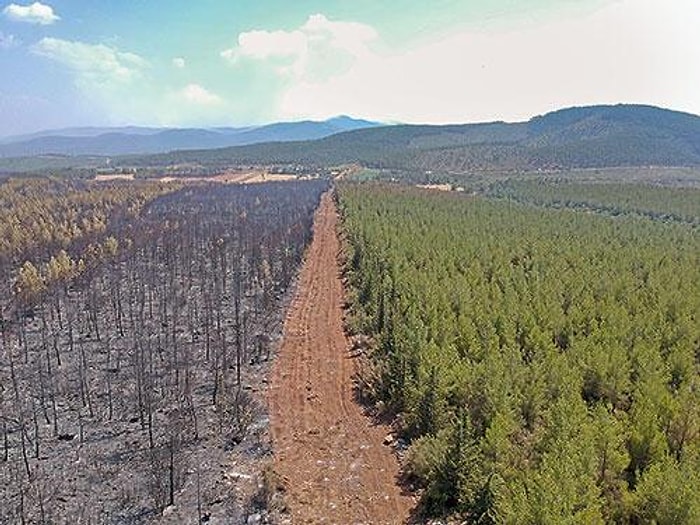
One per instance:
(133,351)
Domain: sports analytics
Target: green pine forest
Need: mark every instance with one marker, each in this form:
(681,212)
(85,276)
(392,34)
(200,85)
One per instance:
(663,203)
(539,352)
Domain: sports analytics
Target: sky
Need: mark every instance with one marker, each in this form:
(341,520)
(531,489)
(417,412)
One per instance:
(66,63)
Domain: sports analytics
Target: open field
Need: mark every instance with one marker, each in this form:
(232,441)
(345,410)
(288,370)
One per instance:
(230,177)
(235,177)
(112,177)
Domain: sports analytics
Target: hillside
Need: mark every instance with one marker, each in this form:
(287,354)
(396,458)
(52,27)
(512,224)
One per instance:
(596,136)
(135,140)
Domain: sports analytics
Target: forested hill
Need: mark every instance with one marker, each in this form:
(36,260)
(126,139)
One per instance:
(595,136)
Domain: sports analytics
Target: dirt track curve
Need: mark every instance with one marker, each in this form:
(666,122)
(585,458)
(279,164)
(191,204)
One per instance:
(330,456)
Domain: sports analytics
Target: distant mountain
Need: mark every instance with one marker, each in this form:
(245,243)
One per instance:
(137,140)
(587,137)
(81,132)
(304,130)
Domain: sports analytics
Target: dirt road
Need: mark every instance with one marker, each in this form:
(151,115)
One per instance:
(330,456)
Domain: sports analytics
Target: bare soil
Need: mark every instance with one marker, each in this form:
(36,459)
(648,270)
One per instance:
(236,177)
(329,454)
(230,177)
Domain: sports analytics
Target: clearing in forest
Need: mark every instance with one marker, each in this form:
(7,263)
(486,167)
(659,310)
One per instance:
(328,454)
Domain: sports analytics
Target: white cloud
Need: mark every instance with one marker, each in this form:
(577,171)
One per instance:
(318,49)
(625,51)
(191,105)
(628,51)
(8,41)
(36,13)
(94,63)
(124,86)
(261,45)
(196,94)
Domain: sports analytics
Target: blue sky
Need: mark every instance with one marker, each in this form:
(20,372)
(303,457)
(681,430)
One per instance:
(214,62)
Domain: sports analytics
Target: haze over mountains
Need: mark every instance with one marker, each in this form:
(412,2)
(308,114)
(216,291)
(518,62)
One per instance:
(595,136)
(140,140)
(583,137)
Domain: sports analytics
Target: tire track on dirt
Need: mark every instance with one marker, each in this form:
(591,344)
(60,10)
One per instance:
(329,455)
